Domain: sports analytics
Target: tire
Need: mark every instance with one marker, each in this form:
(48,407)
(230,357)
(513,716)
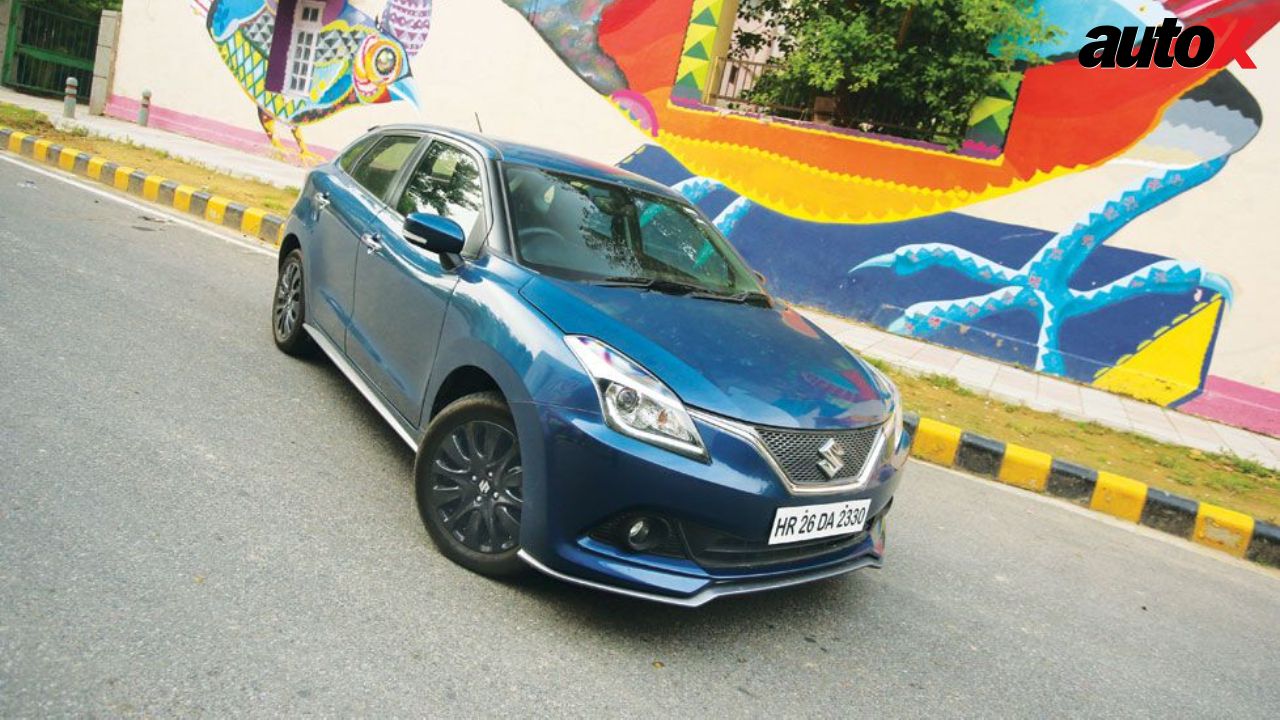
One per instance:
(289,308)
(470,485)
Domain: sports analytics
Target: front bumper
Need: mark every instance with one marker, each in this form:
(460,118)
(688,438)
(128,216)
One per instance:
(579,474)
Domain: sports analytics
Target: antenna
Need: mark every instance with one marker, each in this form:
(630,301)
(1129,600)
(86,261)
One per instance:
(478,125)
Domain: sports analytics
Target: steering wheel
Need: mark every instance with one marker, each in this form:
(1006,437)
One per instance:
(538,235)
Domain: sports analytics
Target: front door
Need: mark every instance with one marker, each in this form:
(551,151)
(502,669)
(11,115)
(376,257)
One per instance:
(348,201)
(402,290)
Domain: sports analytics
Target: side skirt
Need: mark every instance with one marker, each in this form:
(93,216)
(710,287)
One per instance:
(393,418)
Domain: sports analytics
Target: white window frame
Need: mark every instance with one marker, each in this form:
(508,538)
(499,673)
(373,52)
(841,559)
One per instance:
(308,19)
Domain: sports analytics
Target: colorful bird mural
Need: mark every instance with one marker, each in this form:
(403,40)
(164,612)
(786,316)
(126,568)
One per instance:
(571,28)
(301,61)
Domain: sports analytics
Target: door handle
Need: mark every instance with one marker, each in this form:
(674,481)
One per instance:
(321,200)
(372,242)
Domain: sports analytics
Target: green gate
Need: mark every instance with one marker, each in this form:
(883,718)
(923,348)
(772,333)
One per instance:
(44,48)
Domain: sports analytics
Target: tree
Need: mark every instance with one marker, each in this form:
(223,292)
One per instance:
(917,67)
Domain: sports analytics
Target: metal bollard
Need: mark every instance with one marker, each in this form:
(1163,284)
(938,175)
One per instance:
(144,111)
(69,98)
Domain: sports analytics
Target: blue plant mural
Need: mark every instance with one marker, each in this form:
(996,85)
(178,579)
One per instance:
(696,189)
(1042,285)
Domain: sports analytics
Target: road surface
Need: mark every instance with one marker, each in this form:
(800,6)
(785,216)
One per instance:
(193,524)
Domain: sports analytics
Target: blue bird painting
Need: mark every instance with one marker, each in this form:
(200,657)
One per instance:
(301,61)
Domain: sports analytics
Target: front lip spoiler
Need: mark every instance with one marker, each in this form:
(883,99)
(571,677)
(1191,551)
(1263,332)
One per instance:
(706,595)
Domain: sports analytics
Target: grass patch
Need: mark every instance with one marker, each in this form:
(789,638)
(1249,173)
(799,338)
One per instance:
(157,162)
(20,118)
(1225,480)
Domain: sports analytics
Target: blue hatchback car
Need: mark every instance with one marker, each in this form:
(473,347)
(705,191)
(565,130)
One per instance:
(595,383)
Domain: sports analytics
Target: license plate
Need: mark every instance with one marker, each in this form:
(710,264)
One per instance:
(811,522)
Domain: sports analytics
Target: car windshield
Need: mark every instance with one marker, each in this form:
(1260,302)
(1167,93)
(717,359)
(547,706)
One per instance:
(570,227)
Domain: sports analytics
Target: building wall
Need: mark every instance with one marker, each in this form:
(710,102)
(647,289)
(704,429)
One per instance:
(1106,226)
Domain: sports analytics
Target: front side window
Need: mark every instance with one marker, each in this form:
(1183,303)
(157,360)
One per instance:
(376,170)
(582,229)
(445,183)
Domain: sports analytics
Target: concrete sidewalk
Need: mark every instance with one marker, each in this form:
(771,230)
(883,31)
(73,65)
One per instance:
(215,157)
(987,377)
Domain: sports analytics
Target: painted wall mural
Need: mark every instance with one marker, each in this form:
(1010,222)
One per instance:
(1048,239)
(871,227)
(301,61)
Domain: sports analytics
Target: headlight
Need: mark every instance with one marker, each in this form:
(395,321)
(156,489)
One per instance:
(895,423)
(634,402)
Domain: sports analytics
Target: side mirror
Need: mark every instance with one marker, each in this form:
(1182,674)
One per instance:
(440,235)
(760,277)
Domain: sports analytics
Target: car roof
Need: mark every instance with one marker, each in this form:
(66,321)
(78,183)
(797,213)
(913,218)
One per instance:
(516,153)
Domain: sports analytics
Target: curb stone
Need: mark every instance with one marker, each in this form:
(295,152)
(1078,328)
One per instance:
(254,222)
(1121,497)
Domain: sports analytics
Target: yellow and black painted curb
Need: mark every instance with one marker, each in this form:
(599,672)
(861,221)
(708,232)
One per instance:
(251,221)
(1121,497)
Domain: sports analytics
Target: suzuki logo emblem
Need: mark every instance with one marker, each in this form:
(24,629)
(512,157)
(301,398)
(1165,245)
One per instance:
(831,458)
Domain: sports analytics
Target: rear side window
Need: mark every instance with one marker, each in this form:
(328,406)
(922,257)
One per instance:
(352,155)
(377,169)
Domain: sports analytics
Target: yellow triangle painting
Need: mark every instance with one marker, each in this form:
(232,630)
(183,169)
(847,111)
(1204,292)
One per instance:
(1169,366)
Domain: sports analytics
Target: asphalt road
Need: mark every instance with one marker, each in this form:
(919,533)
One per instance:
(194,524)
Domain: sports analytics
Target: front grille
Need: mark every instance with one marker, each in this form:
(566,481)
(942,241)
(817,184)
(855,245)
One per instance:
(796,452)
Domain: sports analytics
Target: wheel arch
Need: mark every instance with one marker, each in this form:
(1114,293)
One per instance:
(462,381)
(466,366)
(288,245)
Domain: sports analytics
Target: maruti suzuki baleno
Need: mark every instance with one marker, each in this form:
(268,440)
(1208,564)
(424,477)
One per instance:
(595,383)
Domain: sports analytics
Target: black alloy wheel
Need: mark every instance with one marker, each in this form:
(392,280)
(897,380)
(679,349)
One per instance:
(288,307)
(470,484)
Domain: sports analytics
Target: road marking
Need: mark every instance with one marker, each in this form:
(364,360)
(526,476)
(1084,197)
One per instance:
(151,209)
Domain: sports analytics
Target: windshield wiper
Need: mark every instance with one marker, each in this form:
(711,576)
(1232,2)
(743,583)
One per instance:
(748,297)
(675,287)
(672,287)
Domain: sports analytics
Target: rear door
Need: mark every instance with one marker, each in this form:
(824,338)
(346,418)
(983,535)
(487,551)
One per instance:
(349,200)
(402,290)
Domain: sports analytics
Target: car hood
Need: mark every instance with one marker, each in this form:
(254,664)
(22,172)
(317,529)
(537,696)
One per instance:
(763,366)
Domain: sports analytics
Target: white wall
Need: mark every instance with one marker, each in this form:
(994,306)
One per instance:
(481,57)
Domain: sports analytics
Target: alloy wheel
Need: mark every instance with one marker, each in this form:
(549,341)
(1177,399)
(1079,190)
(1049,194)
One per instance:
(288,300)
(477,486)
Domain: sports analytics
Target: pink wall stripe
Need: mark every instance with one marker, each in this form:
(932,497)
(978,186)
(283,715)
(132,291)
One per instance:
(1238,404)
(210,130)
